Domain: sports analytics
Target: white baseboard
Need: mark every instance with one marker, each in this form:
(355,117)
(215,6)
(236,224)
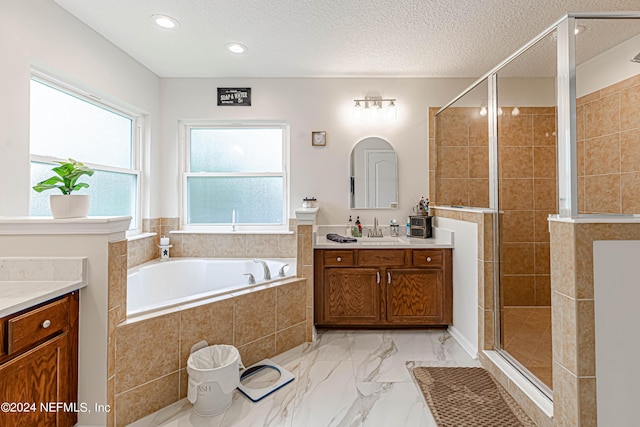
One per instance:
(464,342)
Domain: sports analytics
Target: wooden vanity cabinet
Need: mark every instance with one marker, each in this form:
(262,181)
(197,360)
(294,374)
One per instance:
(383,287)
(39,364)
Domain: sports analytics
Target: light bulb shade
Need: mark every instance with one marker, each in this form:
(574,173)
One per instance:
(515,111)
(483,111)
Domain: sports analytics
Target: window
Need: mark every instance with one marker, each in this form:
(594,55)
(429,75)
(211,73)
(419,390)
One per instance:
(236,176)
(65,124)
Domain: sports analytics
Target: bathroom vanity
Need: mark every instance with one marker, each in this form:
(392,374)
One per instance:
(39,364)
(39,318)
(406,283)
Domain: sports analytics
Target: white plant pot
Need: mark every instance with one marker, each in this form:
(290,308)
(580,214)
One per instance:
(69,205)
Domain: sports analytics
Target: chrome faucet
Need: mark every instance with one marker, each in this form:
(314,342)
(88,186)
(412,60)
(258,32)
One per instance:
(376,231)
(282,272)
(265,267)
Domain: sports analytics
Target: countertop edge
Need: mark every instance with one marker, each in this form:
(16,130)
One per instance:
(58,288)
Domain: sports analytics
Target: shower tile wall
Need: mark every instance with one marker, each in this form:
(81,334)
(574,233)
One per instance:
(462,158)
(608,135)
(527,171)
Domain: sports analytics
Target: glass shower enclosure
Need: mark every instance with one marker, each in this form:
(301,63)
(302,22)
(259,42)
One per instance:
(552,130)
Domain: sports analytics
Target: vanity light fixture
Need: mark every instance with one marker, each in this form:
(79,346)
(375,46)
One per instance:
(165,21)
(377,103)
(371,109)
(236,48)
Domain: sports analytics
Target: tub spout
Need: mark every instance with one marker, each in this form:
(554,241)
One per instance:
(267,273)
(282,273)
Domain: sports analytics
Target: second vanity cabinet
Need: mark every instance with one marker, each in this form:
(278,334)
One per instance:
(39,364)
(383,287)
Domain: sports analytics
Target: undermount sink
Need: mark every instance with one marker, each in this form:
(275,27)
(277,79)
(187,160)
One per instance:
(378,240)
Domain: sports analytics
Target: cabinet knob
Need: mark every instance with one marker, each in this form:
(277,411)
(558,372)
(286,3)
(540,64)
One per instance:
(428,259)
(339,259)
(46,324)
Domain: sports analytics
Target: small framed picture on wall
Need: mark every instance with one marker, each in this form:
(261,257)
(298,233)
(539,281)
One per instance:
(318,138)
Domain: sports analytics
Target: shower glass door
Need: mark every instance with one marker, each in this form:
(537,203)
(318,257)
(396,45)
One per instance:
(527,195)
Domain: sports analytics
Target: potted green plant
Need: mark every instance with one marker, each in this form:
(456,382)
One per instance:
(67,205)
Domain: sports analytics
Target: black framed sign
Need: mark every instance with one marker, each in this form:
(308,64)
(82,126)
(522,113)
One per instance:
(234,96)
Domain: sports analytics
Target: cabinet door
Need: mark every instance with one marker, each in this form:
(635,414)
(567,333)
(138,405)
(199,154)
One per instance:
(415,296)
(352,296)
(37,377)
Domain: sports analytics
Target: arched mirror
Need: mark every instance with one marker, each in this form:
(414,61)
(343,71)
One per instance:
(374,175)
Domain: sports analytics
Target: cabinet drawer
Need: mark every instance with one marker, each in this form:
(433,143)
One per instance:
(378,258)
(427,258)
(335,258)
(36,325)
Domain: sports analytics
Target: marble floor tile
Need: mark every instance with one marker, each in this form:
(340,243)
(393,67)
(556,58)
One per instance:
(393,404)
(326,395)
(329,345)
(345,378)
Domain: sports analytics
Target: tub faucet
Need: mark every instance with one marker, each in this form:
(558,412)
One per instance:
(376,232)
(265,266)
(282,272)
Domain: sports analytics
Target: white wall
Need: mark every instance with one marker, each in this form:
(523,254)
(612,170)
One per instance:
(38,33)
(310,104)
(465,282)
(616,292)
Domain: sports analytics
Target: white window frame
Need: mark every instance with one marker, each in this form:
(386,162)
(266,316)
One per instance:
(184,138)
(137,126)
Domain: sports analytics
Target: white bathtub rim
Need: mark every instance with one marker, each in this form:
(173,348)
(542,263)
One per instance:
(200,294)
(191,303)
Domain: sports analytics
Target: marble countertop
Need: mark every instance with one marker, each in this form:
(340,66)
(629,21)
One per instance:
(16,295)
(442,239)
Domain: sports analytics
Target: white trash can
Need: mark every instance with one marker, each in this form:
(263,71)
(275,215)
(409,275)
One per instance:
(214,372)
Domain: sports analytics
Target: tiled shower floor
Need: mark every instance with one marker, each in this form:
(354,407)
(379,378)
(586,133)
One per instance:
(527,337)
(345,378)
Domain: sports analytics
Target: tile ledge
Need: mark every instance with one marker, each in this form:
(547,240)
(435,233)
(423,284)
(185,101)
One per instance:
(141,236)
(598,219)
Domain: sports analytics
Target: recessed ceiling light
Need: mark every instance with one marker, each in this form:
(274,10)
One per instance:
(165,21)
(236,48)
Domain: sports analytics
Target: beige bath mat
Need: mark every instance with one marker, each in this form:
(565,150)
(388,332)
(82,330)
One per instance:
(468,397)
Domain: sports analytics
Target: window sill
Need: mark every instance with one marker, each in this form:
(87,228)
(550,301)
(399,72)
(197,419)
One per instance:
(140,236)
(210,231)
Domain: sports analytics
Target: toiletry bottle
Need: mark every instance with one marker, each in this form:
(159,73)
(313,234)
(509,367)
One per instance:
(359,226)
(408,227)
(350,227)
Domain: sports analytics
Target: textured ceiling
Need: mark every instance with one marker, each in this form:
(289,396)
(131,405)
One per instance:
(339,38)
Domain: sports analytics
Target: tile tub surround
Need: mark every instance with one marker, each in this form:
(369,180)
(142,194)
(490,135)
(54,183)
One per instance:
(357,378)
(150,373)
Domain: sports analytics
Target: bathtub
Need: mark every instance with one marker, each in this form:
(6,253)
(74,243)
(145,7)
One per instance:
(158,285)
